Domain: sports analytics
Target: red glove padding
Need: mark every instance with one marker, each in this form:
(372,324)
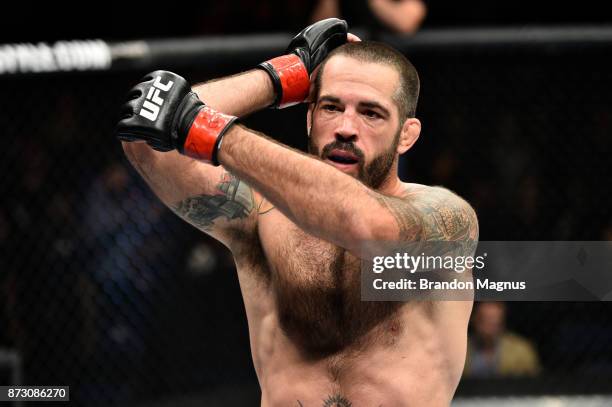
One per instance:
(206,133)
(290,73)
(290,78)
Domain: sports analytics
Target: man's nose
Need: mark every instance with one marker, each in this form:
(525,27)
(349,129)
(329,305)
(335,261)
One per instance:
(347,129)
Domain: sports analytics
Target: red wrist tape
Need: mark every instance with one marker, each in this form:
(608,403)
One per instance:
(207,129)
(294,79)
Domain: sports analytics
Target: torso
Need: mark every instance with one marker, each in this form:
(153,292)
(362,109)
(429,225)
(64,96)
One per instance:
(315,342)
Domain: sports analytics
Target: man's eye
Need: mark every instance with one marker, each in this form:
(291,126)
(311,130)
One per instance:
(330,108)
(372,114)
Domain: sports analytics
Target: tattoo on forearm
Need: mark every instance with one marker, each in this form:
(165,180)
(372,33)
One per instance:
(233,200)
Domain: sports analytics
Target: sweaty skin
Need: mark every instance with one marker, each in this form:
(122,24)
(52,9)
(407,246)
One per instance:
(295,225)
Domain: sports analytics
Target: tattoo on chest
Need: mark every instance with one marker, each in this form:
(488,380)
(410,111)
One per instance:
(233,200)
(336,401)
(333,401)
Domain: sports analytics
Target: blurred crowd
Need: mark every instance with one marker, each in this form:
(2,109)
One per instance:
(493,350)
(135,20)
(367,16)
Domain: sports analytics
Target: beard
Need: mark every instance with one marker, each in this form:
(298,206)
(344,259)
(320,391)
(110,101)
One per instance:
(372,174)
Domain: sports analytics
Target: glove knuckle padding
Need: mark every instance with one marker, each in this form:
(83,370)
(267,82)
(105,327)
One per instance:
(318,40)
(164,112)
(329,44)
(149,110)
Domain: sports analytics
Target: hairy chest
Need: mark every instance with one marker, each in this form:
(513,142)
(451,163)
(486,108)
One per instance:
(316,287)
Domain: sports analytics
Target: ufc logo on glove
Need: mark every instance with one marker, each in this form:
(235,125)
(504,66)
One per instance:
(150,107)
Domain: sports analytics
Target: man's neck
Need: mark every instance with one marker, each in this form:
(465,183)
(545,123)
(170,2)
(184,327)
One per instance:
(392,186)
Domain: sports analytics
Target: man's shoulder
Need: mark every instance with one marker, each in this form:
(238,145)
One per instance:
(445,215)
(431,194)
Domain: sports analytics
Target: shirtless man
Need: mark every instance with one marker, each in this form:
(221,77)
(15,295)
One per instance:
(296,223)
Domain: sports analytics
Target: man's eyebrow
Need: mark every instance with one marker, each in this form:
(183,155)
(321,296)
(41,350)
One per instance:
(329,98)
(375,105)
(366,103)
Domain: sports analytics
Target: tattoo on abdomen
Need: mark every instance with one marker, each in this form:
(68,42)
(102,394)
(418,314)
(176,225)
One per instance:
(233,200)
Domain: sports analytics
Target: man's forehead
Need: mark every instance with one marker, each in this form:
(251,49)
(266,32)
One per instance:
(342,72)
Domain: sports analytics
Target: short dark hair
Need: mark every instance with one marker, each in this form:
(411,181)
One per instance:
(407,93)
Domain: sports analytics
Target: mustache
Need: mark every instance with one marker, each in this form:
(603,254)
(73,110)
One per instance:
(347,146)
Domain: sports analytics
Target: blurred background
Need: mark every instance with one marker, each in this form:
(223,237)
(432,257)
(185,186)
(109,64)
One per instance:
(104,290)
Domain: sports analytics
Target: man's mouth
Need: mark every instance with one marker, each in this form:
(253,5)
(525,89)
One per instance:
(342,157)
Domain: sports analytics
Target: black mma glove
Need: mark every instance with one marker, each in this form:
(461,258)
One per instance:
(291,73)
(163,111)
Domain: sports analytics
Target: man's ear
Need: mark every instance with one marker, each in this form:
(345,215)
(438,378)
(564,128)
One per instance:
(409,134)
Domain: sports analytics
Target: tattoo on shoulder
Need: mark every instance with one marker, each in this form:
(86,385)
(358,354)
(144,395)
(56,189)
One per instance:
(408,220)
(433,214)
(233,200)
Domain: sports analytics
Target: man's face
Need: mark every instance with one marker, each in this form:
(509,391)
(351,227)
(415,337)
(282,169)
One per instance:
(355,123)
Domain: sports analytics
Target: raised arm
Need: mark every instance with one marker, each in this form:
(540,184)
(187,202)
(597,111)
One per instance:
(208,197)
(165,123)
(338,208)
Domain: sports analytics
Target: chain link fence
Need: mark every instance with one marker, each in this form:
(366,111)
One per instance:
(104,290)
